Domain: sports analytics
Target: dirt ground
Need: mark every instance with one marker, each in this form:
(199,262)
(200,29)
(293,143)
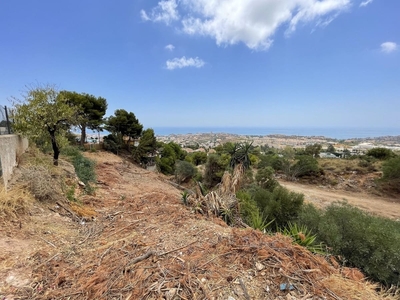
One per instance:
(134,239)
(321,196)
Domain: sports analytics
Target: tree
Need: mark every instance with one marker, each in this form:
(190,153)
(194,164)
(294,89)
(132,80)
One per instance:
(91,111)
(170,153)
(44,114)
(313,150)
(196,158)
(147,147)
(331,149)
(124,124)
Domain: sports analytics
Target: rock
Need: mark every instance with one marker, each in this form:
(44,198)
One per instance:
(259,266)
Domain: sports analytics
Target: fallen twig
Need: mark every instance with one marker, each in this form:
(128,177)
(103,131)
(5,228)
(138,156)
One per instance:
(140,258)
(246,294)
(123,228)
(51,244)
(167,252)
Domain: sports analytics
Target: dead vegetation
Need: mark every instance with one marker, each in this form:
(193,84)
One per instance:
(134,239)
(14,203)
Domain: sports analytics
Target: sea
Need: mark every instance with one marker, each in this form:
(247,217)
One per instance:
(329,132)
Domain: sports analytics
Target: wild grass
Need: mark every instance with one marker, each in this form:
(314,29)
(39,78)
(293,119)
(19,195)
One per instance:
(343,166)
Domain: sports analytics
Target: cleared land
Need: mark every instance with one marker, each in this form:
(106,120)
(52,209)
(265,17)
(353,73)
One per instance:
(323,196)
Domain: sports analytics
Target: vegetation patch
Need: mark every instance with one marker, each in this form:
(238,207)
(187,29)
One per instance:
(367,242)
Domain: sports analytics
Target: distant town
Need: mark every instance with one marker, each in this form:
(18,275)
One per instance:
(207,141)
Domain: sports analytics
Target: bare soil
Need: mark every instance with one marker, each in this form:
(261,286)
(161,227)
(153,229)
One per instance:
(134,239)
(322,196)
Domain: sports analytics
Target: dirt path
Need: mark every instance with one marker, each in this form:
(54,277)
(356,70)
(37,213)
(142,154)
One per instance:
(322,196)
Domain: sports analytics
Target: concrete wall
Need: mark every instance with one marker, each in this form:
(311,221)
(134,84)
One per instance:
(11,147)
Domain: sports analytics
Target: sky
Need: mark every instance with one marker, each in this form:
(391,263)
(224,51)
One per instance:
(209,63)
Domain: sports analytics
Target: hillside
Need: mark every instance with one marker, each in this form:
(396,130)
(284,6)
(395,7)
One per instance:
(133,239)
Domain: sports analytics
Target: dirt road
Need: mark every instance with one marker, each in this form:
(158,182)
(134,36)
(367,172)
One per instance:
(322,196)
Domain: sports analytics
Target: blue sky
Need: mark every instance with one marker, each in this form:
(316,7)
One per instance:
(181,63)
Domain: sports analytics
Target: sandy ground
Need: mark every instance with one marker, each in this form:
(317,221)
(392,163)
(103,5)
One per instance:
(323,196)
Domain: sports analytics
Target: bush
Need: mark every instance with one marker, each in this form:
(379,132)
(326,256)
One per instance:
(214,170)
(184,171)
(265,178)
(381,153)
(84,167)
(278,206)
(391,169)
(367,242)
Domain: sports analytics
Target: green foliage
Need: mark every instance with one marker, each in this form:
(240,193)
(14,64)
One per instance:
(367,242)
(123,124)
(313,150)
(146,149)
(331,149)
(265,178)
(306,166)
(278,205)
(112,143)
(270,160)
(84,167)
(196,158)
(170,153)
(214,169)
(391,168)
(91,111)
(185,195)
(390,182)
(303,237)
(240,154)
(184,171)
(45,116)
(282,206)
(381,153)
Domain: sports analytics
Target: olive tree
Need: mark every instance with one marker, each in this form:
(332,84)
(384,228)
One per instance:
(44,114)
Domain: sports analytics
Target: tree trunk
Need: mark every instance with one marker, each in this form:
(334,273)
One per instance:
(56,150)
(83,135)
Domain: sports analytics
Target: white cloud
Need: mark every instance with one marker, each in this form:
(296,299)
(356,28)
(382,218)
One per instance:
(183,62)
(388,47)
(170,47)
(365,3)
(252,22)
(166,11)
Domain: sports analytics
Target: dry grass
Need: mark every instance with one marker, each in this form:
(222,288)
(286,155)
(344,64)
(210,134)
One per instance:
(41,183)
(340,166)
(14,202)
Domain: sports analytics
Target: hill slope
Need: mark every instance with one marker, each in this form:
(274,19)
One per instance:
(134,239)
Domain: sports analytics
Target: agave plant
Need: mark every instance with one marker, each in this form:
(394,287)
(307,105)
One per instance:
(257,222)
(302,236)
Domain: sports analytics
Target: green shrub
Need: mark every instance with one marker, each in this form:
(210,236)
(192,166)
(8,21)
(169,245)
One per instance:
(279,205)
(303,237)
(184,171)
(391,168)
(380,153)
(214,169)
(265,178)
(84,167)
(367,242)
